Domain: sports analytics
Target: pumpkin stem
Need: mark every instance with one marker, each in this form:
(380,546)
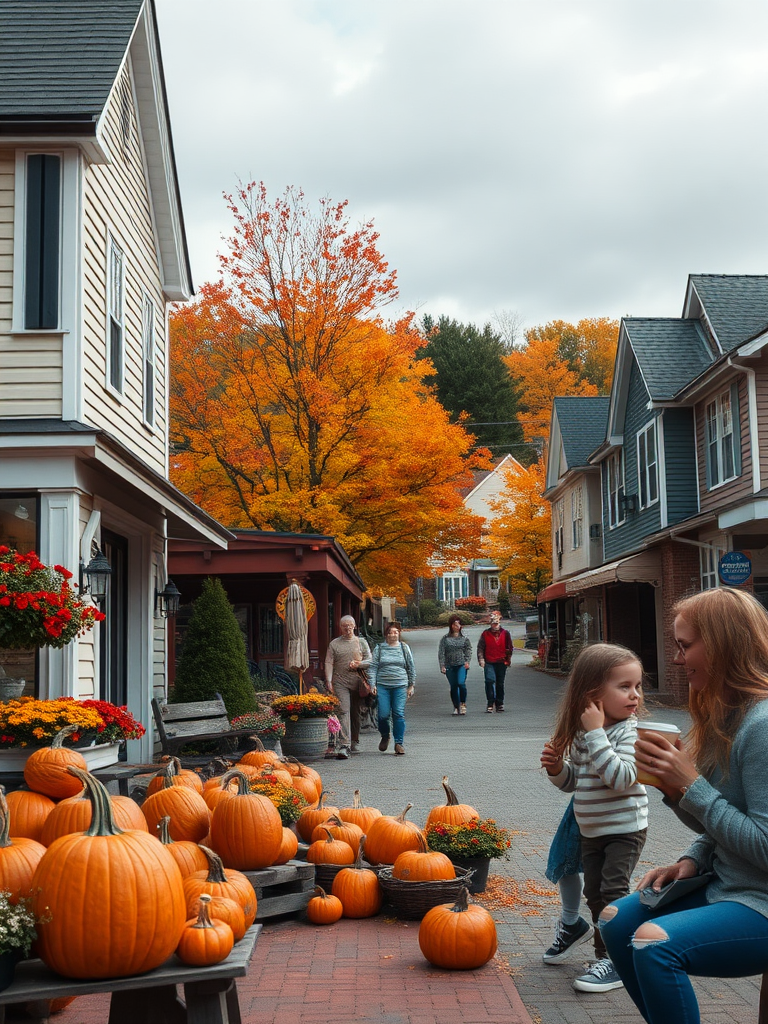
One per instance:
(61,735)
(162,828)
(334,820)
(5,821)
(451,798)
(203,916)
(259,745)
(328,832)
(357,803)
(320,891)
(102,815)
(358,865)
(243,785)
(402,814)
(423,845)
(462,901)
(320,801)
(215,866)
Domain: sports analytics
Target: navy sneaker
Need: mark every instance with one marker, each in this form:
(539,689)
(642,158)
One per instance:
(567,937)
(602,976)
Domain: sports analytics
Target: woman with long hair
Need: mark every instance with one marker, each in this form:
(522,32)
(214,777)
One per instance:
(717,784)
(454,656)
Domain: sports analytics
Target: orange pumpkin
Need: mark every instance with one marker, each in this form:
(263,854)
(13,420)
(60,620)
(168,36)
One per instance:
(303,782)
(205,941)
(87,927)
(452,812)
(214,791)
(46,769)
(225,909)
(389,836)
(246,830)
(359,815)
(288,848)
(422,865)
(189,857)
(310,818)
(217,881)
(358,888)
(459,936)
(74,815)
(28,812)
(343,830)
(189,814)
(181,777)
(256,758)
(330,851)
(18,857)
(289,764)
(269,771)
(324,908)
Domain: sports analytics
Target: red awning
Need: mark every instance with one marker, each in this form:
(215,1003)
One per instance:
(551,593)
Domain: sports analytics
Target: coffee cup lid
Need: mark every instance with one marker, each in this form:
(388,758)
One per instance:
(658,726)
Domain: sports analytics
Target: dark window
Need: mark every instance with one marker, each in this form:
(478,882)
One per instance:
(41,280)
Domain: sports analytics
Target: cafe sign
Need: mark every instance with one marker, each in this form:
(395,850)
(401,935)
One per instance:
(734,568)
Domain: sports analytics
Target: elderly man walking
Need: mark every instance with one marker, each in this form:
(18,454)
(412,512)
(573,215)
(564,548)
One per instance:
(494,655)
(345,655)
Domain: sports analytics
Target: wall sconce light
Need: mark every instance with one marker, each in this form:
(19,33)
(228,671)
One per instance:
(94,577)
(22,512)
(167,601)
(629,503)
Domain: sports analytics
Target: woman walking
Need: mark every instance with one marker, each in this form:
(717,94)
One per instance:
(393,676)
(454,655)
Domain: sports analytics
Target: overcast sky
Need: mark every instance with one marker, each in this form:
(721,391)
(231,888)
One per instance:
(557,159)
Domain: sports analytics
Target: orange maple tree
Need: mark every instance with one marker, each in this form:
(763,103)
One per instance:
(588,347)
(520,538)
(295,407)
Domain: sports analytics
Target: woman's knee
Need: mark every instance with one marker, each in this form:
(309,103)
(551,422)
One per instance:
(648,934)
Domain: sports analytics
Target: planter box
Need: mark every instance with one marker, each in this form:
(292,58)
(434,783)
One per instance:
(98,756)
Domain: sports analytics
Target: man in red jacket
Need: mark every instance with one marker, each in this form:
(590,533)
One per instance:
(494,653)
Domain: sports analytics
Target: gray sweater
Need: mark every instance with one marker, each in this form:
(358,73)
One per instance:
(454,650)
(732,814)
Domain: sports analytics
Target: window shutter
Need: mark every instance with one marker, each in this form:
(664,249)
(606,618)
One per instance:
(736,416)
(465,586)
(440,588)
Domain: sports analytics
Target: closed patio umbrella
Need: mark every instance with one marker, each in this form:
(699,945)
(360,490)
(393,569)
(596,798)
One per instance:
(297,655)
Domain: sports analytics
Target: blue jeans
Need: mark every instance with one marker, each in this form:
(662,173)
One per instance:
(392,702)
(494,673)
(456,676)
(715,940)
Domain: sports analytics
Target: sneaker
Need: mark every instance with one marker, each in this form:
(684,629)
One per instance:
(489,710)
(399,748)
(455,711)
(355,747)
(500,707)
(601,977)
(463,709)
(343,754)
(384,743)
(567,937)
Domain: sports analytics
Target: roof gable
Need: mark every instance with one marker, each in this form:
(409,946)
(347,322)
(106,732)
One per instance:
(582,422)
(670,353)
(734,306)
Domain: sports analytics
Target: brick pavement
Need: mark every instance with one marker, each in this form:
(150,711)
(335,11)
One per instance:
(373,970)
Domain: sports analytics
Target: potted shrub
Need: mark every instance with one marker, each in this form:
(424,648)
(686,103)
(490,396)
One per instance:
(471,844)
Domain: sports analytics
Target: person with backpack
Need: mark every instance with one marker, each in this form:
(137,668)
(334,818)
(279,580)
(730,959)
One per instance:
(392,675)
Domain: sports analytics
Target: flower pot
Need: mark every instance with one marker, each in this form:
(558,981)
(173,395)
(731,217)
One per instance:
(13,759)
(8,963)
(306,738)
(11,689)
(479,866)
(271,742)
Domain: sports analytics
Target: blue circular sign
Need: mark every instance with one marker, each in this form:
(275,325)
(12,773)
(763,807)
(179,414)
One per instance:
(734,568)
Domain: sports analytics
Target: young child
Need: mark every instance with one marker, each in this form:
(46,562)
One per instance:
(592,755)
(565,870)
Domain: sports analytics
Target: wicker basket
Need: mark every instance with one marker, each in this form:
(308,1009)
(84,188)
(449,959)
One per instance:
(325,873)
(411,900)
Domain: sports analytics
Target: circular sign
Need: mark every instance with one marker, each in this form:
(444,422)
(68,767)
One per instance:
(734,568)
(309,602)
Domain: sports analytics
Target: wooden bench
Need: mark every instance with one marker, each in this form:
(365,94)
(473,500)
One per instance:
(210,992)
(197,721)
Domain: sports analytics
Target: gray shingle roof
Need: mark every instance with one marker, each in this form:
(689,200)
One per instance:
(736,305)
(59,58)
(669,352)
(583,422)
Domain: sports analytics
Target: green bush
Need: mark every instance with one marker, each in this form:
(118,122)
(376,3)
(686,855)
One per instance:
(429,611)
(213,656)
(504,604)
(467,619)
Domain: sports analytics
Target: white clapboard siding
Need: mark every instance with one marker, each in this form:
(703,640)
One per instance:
(30,375)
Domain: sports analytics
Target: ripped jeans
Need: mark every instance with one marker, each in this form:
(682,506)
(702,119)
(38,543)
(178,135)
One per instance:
(709,940)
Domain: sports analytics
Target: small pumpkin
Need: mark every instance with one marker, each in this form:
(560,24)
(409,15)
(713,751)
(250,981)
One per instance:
(225,909)
(189,814)
(310,818)
(246,829)
(181,777)
(217,881)
(46,768)
(358,888)
(451,812)
(305,784)
(343,830)
(28,812)
(288,848)
(214,791)
(459,936)
(422,865)
(330,851)
(189,857)
(358,814)
(18,857)
(205,941)
(390,836)
(256,758)
(324,908)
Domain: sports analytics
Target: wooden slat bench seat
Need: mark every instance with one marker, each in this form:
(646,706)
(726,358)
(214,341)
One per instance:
(180,724)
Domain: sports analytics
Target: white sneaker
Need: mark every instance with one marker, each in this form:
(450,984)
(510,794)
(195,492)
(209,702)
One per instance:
(455,711)
(602,976)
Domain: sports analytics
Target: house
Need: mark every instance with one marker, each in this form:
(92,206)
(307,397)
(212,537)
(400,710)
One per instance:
(92,252)
(683,465)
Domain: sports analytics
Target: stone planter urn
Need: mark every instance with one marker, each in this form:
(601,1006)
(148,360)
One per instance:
(306,738)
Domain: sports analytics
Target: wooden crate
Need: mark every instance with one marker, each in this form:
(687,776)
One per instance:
(283,888)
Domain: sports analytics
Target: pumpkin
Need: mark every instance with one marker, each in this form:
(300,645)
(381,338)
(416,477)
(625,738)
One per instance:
(288,848)
(214,791)
(28,812)
(109,903)
(389,836)
(289,764)
(358,888)
(217,881)
(324,908)
(225,909)
(188,856)
(256,758)
(303,782)
(452,812)
(205,941)
(181,777)
(270,771)
(359,815)
(310,818)
(74,815)
(246,829)
(18,857)
(46,768)
(330,851)
(459,936)
(422,865)
(308,772)
(189,814)
(344,830)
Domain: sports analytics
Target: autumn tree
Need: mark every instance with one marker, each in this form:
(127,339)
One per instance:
(521,532)
(296,407)
(588,348)
(472,382)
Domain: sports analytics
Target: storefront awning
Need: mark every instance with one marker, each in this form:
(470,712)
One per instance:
(551,593)
(642,568)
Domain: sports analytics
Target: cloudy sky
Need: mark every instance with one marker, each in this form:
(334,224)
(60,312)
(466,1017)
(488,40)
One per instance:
(556,158)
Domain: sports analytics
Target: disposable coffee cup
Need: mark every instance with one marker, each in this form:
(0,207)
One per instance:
(653,732)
